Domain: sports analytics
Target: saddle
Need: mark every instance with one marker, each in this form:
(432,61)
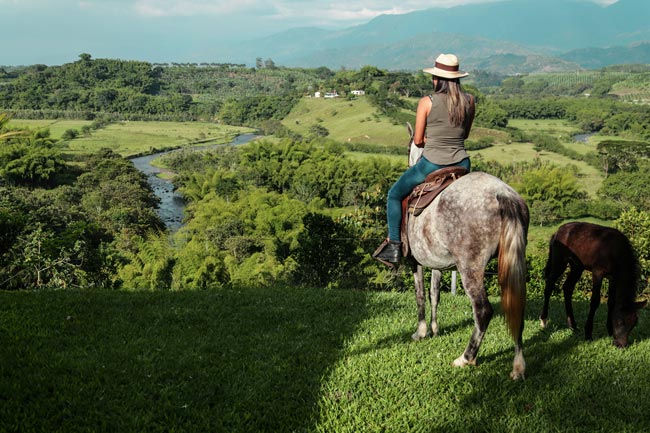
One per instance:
(424,193)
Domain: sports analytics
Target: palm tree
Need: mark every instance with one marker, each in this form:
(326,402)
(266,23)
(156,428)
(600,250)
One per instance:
(4,119)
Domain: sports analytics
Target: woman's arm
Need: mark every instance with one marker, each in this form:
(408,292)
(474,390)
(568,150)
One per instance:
(424,106)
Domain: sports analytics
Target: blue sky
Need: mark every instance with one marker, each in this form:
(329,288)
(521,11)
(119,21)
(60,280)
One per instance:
(57,31)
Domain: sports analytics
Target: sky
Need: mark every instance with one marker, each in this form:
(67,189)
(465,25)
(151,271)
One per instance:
(54,32)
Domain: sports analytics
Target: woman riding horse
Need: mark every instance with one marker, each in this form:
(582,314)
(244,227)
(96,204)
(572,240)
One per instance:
(442,123)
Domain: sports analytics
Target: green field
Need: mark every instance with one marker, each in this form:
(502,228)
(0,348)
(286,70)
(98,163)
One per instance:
(56,127)
(347,121)
(355,121)
(303,360)
(131,138)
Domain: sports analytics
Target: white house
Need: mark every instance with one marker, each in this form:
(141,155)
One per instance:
(358,92)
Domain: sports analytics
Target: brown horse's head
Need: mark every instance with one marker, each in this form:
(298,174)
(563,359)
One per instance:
(622,324)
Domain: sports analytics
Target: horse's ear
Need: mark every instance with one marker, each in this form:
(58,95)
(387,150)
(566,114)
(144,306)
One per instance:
(639,305)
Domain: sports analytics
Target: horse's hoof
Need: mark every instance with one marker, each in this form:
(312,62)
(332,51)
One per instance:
(462,362)
(543,322)
(421,332)
(518,367)
(516,375)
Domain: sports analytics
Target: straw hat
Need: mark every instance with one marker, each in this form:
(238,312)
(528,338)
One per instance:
(446,67)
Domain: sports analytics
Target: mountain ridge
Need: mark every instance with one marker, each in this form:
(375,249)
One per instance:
(562,32)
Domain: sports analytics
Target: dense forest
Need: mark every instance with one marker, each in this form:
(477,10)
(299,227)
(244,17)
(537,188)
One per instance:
(261,214)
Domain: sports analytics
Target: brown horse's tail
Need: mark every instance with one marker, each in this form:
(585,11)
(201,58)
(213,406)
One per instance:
(512,261)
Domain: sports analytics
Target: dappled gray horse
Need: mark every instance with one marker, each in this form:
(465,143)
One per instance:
(476,218)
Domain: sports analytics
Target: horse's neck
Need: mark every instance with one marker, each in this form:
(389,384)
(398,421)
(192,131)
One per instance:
(414,153)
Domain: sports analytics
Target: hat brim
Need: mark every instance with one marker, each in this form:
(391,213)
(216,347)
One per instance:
(445,74)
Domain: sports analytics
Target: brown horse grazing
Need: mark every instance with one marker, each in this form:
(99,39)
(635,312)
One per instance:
(606,253)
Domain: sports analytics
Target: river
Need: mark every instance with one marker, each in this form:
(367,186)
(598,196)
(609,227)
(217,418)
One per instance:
(582,138)
(172,203)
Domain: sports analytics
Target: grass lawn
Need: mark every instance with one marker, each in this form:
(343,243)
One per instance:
(301,360)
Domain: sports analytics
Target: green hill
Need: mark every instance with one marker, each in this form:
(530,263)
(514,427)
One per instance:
(354,121)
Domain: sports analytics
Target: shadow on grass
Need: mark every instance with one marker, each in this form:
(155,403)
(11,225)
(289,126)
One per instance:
(227,360)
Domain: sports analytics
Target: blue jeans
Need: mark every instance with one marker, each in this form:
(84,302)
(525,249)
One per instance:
(412,177)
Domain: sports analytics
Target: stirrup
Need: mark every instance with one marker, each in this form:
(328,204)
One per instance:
(390,261)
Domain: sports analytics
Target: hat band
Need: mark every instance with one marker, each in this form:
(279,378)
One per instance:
(446,67)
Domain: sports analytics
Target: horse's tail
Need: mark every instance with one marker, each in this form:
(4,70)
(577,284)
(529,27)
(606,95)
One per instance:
(512,260)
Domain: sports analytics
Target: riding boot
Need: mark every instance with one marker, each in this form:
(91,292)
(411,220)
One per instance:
(389,252)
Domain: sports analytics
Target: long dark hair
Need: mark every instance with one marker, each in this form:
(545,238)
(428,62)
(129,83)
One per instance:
(457,101)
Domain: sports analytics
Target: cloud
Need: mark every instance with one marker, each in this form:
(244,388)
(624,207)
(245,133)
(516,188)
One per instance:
(158,8)
(307,12)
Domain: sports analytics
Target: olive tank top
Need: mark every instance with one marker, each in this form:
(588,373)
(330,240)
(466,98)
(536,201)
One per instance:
(445,143)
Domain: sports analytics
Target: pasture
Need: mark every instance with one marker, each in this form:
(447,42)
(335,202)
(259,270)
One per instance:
(353,121)
(303,360)
(56,126)
(356,122)
(130,138)
(134,138)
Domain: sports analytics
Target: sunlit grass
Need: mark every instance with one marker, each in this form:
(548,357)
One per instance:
(290,359)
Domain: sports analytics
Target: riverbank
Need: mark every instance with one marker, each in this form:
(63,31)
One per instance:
(172,204)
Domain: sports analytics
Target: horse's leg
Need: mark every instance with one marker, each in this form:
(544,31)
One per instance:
(593,304)
(611,296)
(434,294)
(519,365)
(418,278)
(567,288)
(482,314)
(554,270)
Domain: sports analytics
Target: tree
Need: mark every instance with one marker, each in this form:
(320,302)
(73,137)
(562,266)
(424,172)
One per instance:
(550,192)
(618,155)
(150,263)
(635,224)
(490,115)
(326,254)
(628,189)
(317,130)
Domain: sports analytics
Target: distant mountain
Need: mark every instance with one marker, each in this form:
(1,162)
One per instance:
(530,35)
(595,58)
